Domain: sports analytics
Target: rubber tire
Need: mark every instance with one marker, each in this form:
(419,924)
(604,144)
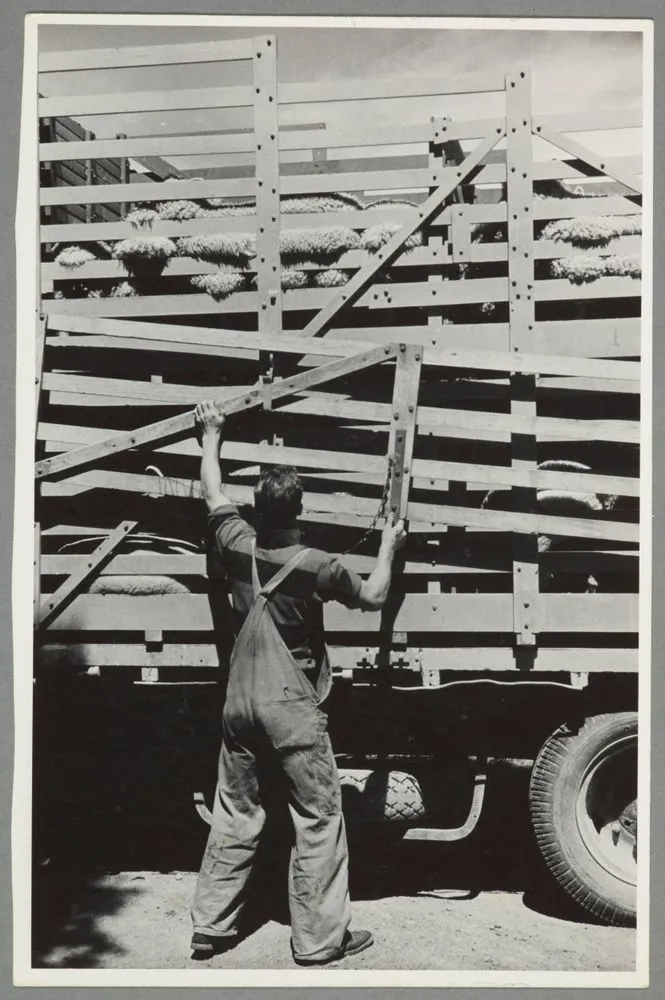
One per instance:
(556,778)
(380,796)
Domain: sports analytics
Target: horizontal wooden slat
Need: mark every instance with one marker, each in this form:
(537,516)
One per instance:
(573,208)
(141,563)
(192,613)
(333,138)
(235,450)
(477,389)
(147,563)
(493,613)
(418,257)
(70,531)
(71,390)
(304,161)
(289,93)
(354,510)
(130,57)
(115,269)
(498,520)
(499,427)
(434,474)
(417,613)
(401,294)
(142,102)
(241,187)
(244,142)
(329,346)
(121,654)
(171,305)
(318,182)
(141,392)
(398,295)
(95,341)
(554,208)
(591,338)
(589,121)
(297,162)
(486,658)
(483,388)
(550,290)
(345,468)
(354,219)
(549,249)
(462,658)
(538,364)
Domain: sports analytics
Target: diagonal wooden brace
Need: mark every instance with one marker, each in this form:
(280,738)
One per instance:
(181,425)
(587,155)
(67,591)
(429,208)
(403,424)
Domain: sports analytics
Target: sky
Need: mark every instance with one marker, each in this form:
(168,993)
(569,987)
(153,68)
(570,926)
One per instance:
(571,71)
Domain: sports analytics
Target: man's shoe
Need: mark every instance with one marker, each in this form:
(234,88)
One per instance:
(206,945)
(353,943)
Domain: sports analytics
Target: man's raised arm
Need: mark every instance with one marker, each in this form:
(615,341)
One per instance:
(211,422)
(374,591)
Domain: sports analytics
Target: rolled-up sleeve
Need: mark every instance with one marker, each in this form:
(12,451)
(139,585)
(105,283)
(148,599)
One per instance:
(336,582)
(226,528)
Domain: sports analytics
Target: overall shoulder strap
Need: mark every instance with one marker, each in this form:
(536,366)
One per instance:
(278,577)
(256,583)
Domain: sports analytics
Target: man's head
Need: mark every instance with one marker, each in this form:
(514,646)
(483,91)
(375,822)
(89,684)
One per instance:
(278,497)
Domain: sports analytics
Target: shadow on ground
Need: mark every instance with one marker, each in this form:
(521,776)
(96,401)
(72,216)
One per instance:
(67,907)
(115,770)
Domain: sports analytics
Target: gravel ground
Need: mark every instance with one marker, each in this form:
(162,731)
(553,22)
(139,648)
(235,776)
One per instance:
(140,920)
(114,878)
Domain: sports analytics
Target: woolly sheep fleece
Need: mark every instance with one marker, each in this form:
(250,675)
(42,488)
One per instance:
(309,256)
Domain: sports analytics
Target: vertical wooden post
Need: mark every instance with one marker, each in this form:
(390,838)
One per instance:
(266,131)
(268,267)
(40,338)
(403,424)
(36,565)
(401,440)
(46,172)
(436,316)
(89,176)
(519,193)
(124,175)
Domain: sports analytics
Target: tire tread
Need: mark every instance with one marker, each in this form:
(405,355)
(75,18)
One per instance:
(544,777)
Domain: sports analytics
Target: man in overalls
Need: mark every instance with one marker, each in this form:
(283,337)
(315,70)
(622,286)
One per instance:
(279,675)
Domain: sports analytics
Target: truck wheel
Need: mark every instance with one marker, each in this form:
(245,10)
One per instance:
(583,803)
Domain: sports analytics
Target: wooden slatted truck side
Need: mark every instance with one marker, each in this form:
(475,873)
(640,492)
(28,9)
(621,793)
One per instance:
(440,318)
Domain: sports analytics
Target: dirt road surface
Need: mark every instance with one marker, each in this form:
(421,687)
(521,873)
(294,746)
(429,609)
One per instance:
(139,920)
(118,844)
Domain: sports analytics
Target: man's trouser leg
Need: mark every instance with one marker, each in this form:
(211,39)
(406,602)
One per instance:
(318,874)
(237,821)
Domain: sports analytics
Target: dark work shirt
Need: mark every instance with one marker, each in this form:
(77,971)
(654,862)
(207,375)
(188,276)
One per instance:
(297,605)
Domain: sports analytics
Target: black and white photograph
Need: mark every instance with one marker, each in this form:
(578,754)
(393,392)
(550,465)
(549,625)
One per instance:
(333,396)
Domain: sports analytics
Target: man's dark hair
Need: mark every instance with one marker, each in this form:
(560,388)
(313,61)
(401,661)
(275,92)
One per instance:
(278,497)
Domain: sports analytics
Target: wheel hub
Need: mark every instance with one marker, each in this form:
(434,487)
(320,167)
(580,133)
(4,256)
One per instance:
(606,809)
